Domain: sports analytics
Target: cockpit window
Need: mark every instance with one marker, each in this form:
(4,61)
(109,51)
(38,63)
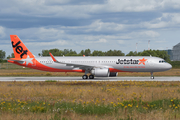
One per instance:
(162,61)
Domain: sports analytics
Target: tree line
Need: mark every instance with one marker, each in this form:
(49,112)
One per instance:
(87,52)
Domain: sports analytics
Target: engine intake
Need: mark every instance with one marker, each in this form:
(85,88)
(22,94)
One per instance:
(113,74)
(98,72)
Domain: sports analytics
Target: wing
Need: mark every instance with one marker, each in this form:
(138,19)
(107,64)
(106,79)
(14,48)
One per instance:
(80,66)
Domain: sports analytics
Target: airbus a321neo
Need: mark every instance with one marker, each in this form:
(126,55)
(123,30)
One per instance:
(96,66)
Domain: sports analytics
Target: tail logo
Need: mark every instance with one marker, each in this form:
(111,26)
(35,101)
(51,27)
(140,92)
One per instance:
(19,49)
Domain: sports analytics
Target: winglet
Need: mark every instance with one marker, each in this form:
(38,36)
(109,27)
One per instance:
(53,58)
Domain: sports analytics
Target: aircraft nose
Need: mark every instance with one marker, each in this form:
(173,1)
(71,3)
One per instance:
(168,66)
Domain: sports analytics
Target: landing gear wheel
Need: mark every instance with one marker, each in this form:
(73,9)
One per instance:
(152,77)
(84,77)
(91,76)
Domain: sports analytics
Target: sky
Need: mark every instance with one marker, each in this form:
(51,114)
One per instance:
(90,24)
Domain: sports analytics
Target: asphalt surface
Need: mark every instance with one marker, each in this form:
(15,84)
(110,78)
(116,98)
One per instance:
(95,79)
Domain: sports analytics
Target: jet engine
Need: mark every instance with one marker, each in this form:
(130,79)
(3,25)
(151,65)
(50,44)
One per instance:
(98,72)
(113,74)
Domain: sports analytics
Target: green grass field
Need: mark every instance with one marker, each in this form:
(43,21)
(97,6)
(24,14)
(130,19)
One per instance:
(122,100)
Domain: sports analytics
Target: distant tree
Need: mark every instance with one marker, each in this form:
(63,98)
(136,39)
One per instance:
(163,54)
(82,53)
(114,53)
(45,53)
(118,53)
(109,53)
(148,53)
(66,51)
(87,52)
(71,53)
(12,55)
(54,51)
(8,56)
(131,53)
(97,53)
(2,54)
(57,52)
(156,53)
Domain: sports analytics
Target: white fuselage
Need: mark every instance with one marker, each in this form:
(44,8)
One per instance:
(121,63)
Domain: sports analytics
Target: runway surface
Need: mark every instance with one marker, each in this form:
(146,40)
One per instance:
(96,79)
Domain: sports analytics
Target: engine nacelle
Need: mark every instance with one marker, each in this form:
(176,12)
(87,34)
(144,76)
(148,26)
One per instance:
(113,74)
(100,72)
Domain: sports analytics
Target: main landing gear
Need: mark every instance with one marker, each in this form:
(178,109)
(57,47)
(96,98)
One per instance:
(152,77)
(86,77)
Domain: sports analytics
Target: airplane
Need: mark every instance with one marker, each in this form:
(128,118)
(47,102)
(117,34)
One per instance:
(96,66)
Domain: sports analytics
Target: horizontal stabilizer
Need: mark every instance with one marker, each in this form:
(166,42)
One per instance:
(16,60)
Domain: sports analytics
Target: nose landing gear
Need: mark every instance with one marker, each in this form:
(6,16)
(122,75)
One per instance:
(152,77)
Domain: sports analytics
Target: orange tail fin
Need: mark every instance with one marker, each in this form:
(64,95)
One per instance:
(20,50)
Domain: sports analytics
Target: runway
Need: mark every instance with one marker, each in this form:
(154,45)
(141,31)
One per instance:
(96,79)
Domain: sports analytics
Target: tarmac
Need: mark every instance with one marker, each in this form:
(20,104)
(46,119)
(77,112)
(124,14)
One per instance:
(95,79)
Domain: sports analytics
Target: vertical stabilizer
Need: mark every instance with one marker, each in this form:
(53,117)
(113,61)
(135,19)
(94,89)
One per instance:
(20,50)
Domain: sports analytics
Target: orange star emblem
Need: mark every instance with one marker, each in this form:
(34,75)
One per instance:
(142,61)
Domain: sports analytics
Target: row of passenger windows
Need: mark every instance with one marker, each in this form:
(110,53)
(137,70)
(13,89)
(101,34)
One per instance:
(46,61)
(93,61)
(80,61)
(49,61)
(162,61)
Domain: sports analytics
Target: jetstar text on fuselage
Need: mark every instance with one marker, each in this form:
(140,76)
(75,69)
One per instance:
(127,61)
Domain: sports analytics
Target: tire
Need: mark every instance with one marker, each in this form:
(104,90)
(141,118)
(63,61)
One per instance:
(91,76)
(84,77)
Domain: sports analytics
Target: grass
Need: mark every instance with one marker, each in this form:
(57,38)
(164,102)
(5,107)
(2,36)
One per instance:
(52,100)
(9,66)
(122,100)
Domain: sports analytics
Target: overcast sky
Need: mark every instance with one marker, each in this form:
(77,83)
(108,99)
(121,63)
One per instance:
(94,24)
